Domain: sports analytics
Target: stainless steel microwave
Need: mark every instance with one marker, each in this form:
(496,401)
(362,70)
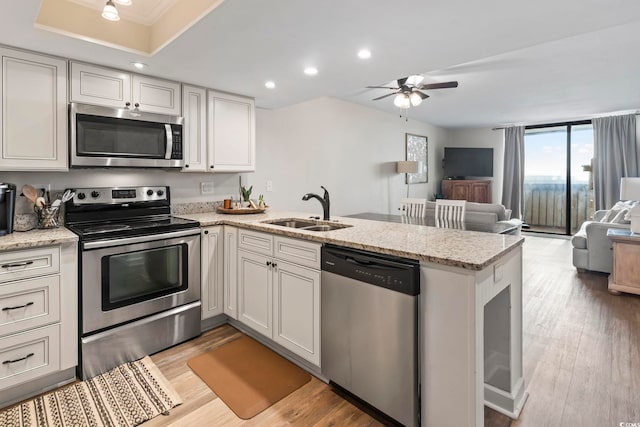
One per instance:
(123,137)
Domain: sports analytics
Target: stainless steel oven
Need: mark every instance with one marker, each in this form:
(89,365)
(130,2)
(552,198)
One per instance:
(139,270)
(123,137)
(129,278)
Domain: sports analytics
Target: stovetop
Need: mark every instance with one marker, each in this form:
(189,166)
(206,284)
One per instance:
(115,212)
(95,230)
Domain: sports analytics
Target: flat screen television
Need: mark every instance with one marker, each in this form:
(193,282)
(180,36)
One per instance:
(463,162)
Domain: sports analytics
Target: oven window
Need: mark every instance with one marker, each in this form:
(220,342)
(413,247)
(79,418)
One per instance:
(138,276)
(106,136)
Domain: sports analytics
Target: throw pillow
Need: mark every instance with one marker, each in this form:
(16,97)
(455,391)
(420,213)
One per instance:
(620,217)
(611,213)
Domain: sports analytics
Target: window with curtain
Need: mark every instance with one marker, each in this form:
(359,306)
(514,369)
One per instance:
(558,181)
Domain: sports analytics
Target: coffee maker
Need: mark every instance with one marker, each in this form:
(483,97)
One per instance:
(7,207)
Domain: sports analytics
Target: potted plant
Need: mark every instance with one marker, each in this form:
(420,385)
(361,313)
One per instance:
(246,196)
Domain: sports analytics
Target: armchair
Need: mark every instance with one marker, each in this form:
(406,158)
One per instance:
(592,249)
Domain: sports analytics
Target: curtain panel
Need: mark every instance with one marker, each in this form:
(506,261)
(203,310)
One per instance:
(513,178)
(616,156)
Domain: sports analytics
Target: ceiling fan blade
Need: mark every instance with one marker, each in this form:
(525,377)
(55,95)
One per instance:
(402,81)
(384,96)
(421,94)
(443,85)
(382,87)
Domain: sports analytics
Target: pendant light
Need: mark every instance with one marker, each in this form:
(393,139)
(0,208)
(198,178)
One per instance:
(110,12)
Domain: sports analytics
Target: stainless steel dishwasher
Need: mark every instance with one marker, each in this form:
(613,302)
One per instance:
(370,329)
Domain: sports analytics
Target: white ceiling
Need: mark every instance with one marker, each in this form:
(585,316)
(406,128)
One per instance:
(516,61)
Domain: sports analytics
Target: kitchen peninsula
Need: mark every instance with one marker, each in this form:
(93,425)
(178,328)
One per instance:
(470,308)
(470,303)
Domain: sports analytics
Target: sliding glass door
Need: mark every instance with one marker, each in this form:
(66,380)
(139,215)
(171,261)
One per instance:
(558,188)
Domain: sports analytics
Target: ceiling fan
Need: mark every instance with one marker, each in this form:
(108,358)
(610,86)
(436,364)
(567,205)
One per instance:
(409,91)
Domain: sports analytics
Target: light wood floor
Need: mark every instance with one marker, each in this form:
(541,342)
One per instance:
(581,359)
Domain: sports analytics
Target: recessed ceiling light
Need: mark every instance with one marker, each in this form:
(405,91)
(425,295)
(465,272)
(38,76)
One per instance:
(364,54)
(311,71)
(139,65)
(123,2)
(270,84)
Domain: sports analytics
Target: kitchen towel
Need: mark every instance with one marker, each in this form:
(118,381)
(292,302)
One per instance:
(247,376)
(127,395)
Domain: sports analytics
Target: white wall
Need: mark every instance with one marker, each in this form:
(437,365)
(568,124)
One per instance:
(478,138)
(348,148)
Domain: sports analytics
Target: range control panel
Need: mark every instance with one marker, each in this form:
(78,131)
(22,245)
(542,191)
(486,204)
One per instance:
(119,195)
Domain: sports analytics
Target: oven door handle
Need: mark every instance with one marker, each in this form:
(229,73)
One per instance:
(139,239)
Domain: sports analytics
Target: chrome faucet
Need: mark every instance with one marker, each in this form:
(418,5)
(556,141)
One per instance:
(324,201)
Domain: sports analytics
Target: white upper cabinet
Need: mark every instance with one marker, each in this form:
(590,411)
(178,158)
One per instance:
(194,106)
(157,96)
(101,86)
(33,118)
(232,144)
(91,84)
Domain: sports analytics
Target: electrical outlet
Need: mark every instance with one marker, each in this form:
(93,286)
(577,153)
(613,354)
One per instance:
(206,187)
(269,185)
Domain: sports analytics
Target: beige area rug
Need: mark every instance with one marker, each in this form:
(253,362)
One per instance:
(248,376)
(127,395)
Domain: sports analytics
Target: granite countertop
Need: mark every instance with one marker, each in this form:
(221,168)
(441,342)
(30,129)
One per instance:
(466,249)
(35,238)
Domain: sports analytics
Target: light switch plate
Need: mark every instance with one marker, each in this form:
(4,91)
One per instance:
(269,185)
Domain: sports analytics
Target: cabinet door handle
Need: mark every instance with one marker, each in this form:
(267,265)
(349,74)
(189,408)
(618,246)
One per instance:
(268,263)
(206,231)
(17,264)
(7,362)
(275,266)
(16,307)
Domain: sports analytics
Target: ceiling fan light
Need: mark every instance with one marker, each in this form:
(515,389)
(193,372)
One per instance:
(110,12)
(123,2)
(415,99)
(401,101)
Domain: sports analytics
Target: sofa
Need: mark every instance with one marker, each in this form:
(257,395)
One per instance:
(483,213)
(592,249)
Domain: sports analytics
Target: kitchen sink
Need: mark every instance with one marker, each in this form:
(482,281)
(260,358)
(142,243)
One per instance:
(306,224)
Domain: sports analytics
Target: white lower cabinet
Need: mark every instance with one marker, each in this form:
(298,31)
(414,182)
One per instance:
(39,318)
(230,271)
(212,253)
(277,296)
(255,291)
(296,308)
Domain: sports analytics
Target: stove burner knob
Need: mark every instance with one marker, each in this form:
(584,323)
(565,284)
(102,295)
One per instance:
(160,192)
(81,196)
(95,194)
(150,192)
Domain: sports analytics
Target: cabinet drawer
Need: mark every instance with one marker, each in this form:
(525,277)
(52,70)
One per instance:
(26,356)
(298,251)
(254,241)
(17,265)
(28,304)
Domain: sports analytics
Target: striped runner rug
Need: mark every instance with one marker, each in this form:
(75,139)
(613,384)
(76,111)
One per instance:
(127,395)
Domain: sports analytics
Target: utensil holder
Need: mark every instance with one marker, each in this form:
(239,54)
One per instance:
(47,217)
